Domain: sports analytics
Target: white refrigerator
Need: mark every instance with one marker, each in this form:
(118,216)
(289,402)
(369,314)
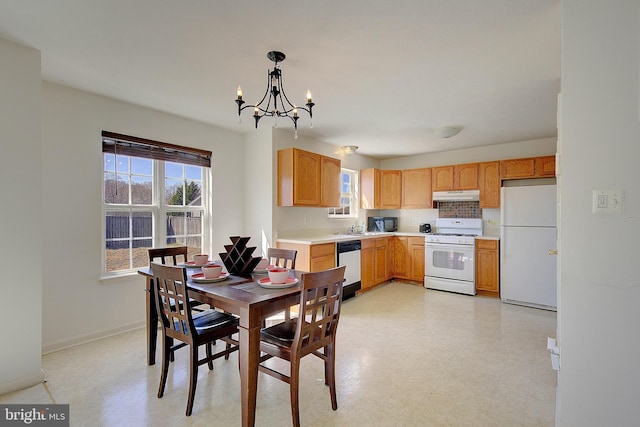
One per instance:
(527,235)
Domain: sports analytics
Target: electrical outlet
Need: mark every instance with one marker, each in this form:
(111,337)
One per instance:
(414,221)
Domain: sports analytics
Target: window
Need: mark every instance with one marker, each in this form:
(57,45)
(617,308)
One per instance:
(348,196)
(154,195)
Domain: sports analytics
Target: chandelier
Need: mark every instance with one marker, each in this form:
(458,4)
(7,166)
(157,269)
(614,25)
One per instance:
(275,103)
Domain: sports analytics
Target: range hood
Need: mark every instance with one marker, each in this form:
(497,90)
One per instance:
(456,196)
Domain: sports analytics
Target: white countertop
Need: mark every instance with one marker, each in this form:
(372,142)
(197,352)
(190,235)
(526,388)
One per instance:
(328,238)
(313,239)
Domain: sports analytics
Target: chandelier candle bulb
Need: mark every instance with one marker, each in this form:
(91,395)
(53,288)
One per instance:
(239,91)
(308,96)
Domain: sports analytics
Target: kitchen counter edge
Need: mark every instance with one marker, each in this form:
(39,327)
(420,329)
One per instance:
(344,237)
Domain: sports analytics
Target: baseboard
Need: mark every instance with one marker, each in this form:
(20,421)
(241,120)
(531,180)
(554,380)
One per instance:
(22,383)
(91,337)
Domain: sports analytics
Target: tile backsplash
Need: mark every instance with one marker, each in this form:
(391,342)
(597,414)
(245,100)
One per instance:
(469,209)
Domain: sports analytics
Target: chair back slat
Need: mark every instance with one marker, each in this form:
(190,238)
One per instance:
(320,302)
(168,254)
(285,258)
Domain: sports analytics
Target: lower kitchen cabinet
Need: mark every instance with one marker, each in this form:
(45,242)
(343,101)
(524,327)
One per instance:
(367,263)
(408,258)
(313,257)
(382,272)
(487,267)
(375,262)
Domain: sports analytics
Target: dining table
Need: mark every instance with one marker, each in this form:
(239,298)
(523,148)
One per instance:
(243,297)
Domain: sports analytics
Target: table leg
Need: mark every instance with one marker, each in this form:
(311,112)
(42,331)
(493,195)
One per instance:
(249,358)
(152,323)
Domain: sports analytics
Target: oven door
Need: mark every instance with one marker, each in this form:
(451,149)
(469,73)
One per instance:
(450,261)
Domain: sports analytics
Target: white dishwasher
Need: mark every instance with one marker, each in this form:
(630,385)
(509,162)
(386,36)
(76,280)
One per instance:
(349,256)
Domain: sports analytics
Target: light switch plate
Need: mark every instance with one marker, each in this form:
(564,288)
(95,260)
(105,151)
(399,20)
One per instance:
(607,201)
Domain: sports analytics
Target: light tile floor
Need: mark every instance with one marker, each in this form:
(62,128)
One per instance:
(406,357)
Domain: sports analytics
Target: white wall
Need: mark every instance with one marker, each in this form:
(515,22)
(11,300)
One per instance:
(511,150)
(77,305)
(20,191)
(599,311)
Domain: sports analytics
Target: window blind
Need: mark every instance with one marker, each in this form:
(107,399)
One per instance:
(116,143)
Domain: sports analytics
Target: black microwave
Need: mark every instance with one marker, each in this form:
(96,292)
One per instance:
(382,223)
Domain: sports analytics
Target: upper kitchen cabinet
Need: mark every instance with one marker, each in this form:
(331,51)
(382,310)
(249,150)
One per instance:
(532,167)
(489,177)
(380,189)
(307,179)
(416,188)
(456,177)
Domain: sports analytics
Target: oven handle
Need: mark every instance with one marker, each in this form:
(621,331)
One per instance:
(447,246)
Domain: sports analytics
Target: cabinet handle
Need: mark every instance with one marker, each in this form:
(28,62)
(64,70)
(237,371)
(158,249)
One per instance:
(553,252)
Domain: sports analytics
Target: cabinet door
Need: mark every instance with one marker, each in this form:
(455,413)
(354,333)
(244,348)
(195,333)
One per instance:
(381,262)
(546,166)
(416,258)
(306,178)
(390,189)
(518,168)
(329,182)
(487,267)
(368,188)
(367,263)
(489,175)
(416,189)
(465,177)
(400,257)
(323,256)
(442,178)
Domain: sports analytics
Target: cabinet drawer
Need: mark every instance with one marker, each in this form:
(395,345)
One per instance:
(323,250)
(486,244)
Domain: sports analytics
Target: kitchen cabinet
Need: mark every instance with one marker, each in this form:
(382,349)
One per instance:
(380,189)
(487,267)
(408,258)
(312,258)
(307,179)
(546,166)
(416,189)
(442,178)
(322,257)
(531,167)
(382,272)
(367,263)
(456,177)
(401,257)
(489,180)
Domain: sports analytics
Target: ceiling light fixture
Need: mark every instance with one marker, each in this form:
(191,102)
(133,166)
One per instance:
(275,103)
(447,132)
(349,149)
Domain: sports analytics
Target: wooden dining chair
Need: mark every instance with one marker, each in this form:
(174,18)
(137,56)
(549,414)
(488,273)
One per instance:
(285,258)
(173,254)
(311,333)
(193,330)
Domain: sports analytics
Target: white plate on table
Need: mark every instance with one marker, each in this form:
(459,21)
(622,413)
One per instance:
(192,264)
(199,278)
(266,283)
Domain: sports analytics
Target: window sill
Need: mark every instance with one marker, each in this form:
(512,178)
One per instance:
(116,277)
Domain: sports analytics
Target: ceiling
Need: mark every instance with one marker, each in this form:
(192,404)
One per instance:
(384,74)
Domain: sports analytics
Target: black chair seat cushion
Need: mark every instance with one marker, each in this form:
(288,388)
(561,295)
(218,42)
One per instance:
(281,334)
(206,320)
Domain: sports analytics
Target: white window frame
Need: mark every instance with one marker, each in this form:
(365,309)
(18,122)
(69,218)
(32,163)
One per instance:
(352,195)
(158,210)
